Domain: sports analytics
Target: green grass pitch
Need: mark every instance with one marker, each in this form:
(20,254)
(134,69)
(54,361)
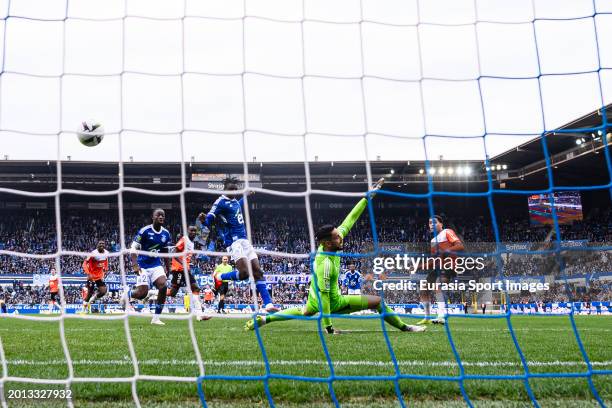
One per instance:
(99,349)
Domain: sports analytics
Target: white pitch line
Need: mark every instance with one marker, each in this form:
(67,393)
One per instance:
(237,363)
(453,330)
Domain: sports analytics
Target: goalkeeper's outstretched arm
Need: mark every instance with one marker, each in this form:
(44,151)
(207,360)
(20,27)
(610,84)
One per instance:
(356,212)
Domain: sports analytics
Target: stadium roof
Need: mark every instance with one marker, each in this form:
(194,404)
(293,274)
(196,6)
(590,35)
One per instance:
(521,167)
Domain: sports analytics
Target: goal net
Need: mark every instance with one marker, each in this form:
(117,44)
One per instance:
(296,81)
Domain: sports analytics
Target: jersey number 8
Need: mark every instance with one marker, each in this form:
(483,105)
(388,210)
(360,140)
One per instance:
(239,217)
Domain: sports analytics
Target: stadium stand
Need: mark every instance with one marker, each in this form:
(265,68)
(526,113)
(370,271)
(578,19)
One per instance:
(34,232)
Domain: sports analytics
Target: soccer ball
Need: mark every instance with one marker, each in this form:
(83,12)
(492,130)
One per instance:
(90,133)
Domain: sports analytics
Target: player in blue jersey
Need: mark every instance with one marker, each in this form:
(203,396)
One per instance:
(239,247)
(150,269)
(353,280)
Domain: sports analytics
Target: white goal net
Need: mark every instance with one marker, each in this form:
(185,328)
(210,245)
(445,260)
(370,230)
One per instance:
(282,81)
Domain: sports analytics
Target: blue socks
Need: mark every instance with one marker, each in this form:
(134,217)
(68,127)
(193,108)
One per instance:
(263,291)
(158,309)
(233,275)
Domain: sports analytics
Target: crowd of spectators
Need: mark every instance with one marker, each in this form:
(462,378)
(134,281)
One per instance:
(31,295)
(595,290)
(35,232)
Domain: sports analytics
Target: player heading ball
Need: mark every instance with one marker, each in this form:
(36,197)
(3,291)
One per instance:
(229,209)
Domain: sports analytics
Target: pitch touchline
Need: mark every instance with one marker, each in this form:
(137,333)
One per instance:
(215,363)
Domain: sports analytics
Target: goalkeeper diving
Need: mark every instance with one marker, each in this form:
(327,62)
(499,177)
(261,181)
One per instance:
(325,282)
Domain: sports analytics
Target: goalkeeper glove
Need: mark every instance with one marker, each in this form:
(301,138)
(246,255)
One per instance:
(377,186)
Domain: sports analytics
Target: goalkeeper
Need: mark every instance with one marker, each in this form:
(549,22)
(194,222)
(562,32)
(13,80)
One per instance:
(326,271)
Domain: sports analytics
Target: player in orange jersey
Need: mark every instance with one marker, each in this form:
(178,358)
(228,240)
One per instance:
(177,270)
(444,246)
(209,296)
(95,267)
(53,291)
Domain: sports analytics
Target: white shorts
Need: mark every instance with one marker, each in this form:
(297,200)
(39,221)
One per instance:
(354,291)
(242,248)
(149,275)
